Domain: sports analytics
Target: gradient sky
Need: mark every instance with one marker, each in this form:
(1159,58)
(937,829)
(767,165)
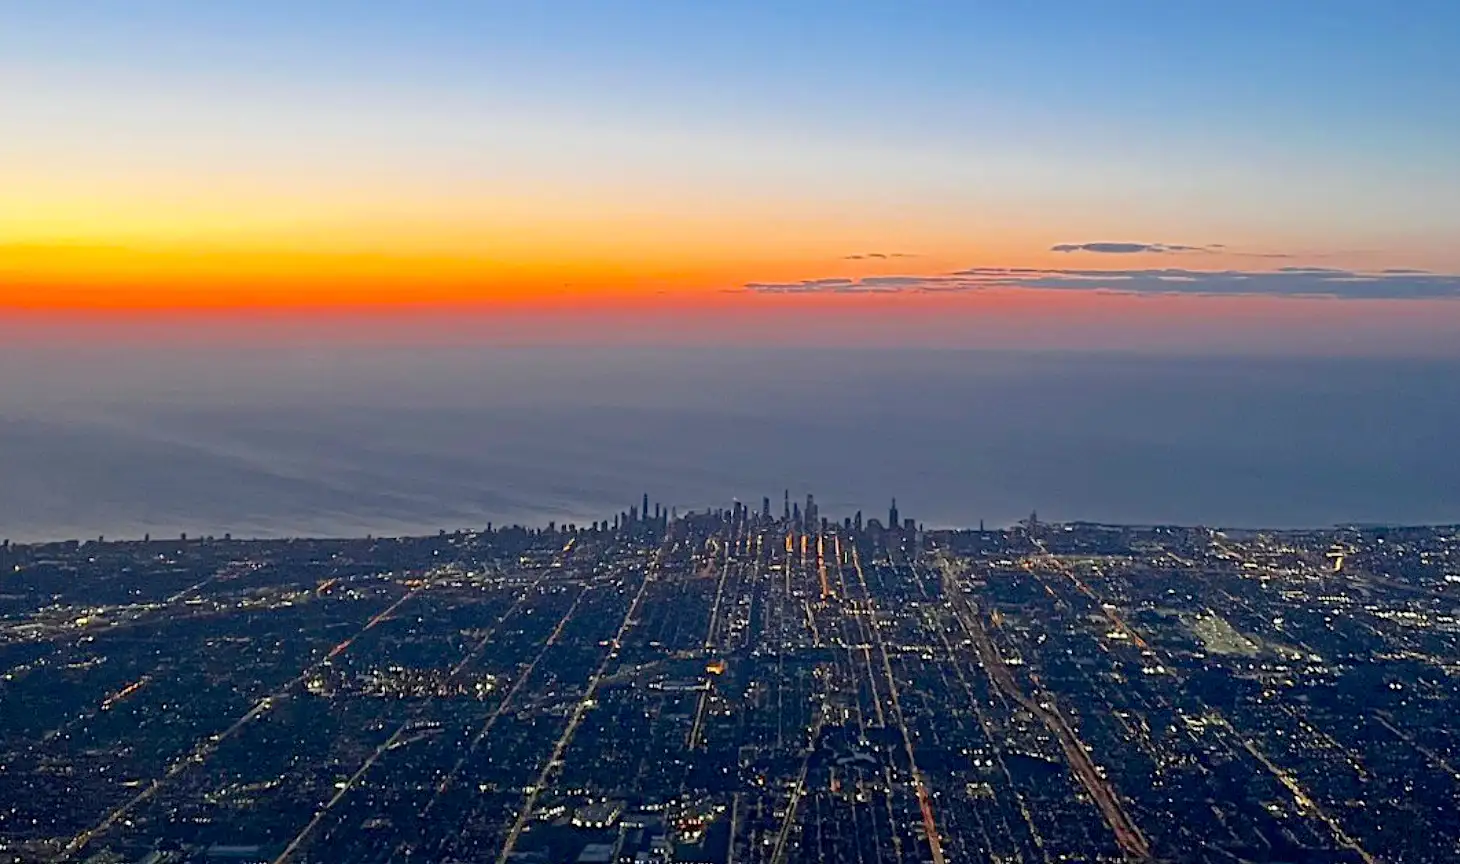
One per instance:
(683,156)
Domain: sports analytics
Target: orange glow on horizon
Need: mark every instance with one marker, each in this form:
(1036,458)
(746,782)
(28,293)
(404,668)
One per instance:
(98,277)
(642,294)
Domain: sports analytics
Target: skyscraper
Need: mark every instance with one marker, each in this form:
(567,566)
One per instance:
(892,522)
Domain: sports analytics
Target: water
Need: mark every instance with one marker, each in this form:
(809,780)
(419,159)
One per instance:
(339,439)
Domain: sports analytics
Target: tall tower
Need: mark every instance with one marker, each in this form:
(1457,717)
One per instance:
(892,522)
(765,508)
(786,512)
(645,508)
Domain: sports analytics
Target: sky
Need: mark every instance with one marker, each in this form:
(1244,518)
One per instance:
(1247,175)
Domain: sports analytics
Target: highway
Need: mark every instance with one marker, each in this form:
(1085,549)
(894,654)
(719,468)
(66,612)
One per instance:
(693,741)
(1127,835)
(925,803)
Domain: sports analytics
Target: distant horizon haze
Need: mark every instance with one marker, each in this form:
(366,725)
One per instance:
(334,438)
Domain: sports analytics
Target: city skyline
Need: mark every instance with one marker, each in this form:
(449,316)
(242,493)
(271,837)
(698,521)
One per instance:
(730,686)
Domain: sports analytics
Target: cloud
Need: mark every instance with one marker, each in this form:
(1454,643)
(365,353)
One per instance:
(807,286)
(869,285)
(1392,284)
(894,281)
(877,256)
(1107,248)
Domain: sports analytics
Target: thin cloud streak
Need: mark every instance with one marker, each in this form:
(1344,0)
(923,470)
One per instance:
(1109,248)
(1391,284)
(1123,248)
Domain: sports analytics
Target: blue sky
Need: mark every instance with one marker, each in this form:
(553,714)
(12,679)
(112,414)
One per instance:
(1302,61)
